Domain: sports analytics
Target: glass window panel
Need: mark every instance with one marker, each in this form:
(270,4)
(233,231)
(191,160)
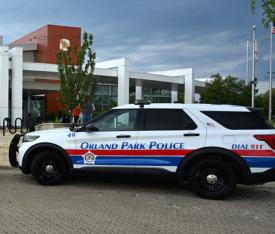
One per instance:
(105,90)
(148,98)
(163,119)
(164,92)
(98,92)
(146,91)
(164,100)
(154,92)
(154,99)
(114,98)
(239,120)
(109,90)
(105,99)
(120,120)
(114,88)
(98,99)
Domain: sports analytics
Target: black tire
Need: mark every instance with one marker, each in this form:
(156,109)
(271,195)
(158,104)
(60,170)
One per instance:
(55,173)
(212,179)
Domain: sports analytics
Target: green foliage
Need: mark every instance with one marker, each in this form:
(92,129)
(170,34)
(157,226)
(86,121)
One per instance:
(52,115)
(181,97)
(269,11)
(228,89)
(77,84)
(132,98)
(272,122)
(57,120)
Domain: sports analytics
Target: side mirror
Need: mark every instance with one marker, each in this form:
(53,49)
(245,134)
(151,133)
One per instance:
(91,128)
(72,126)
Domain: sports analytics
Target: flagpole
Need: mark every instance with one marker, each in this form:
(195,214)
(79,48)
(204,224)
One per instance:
(270,81)
(253,67)
(247,61)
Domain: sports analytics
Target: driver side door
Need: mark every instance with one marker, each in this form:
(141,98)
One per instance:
(112,147)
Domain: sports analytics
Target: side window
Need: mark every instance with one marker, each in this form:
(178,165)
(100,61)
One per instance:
(238,120)
(120,120)
(168,119)
(187,123)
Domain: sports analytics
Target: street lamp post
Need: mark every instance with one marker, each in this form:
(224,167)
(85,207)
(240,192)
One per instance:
(253,68)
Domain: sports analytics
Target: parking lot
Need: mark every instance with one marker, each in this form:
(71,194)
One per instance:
(93,205)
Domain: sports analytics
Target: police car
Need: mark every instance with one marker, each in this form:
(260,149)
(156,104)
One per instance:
(214,147)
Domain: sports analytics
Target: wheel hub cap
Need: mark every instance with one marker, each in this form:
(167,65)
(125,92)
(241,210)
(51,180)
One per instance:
(212,179)
(49,169)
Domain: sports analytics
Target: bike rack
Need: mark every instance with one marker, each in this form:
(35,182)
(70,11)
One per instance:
(29,129)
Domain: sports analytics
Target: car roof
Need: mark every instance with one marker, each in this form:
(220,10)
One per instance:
(200,107)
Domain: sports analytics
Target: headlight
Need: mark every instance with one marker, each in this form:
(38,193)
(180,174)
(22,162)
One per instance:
(29,138)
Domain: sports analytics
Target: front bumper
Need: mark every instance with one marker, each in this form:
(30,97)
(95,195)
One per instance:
(259,177)
(13,149)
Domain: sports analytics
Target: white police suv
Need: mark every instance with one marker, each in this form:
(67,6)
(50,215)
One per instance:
(214,147)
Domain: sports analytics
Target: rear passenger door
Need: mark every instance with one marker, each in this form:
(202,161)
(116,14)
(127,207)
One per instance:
(166,136)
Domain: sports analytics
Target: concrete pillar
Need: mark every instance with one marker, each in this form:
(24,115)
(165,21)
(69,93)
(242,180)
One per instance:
(174,93)
(123,83)
(122,66)
(16,55)
(189,89)
(139,90)
(4,83)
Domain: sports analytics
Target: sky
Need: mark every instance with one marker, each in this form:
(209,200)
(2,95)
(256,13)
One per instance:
(208,35)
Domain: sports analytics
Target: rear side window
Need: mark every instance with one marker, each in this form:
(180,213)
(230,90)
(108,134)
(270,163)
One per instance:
(168,119)
(239,120)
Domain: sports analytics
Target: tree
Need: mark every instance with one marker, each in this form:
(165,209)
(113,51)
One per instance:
(229,89)
(269,11)
(77,83)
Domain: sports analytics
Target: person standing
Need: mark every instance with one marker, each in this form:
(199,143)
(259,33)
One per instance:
(76,112)
(87,112)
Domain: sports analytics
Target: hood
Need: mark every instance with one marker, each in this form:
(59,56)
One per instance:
(49,131)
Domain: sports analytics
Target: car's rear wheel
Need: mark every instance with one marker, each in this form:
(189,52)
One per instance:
(212,179)
(49,168)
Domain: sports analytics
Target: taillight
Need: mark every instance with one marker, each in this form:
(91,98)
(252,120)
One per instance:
(269,139)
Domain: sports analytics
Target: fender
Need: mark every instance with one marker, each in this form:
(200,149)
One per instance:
(210,150)
(49,146)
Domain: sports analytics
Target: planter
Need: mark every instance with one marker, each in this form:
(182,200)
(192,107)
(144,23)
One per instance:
(47,126)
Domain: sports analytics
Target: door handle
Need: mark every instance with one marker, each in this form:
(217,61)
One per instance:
(123,136)
(191,134)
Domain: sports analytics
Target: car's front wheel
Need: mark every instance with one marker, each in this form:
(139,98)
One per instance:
(212,179)
(49,168)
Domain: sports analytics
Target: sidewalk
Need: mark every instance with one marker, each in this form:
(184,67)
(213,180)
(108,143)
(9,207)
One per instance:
(4,148)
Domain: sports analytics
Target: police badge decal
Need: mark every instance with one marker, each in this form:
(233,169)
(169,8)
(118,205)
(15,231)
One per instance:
(64,44)
(89,158)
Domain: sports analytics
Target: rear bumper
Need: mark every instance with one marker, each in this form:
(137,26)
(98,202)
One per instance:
(260,177)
